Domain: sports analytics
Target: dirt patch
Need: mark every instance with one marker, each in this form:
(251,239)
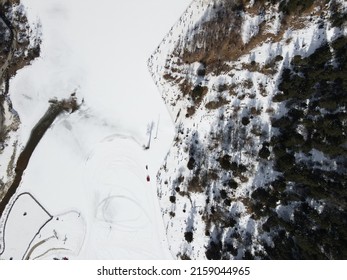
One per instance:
(212,105)
(218,40)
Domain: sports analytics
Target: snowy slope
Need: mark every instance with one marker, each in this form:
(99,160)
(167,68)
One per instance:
(218,70)
(89,170)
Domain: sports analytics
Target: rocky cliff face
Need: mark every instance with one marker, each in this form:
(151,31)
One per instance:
(257,90)
(19,45)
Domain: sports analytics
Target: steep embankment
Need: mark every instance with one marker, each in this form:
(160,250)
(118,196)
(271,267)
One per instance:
(257,90)
(19,45)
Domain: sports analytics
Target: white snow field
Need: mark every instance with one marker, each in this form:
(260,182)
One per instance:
(90,169)
(26,217)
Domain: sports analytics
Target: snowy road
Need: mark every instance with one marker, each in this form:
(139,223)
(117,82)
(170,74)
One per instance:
(89,169)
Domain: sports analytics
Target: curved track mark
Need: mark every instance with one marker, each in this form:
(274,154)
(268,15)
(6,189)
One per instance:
(8,214)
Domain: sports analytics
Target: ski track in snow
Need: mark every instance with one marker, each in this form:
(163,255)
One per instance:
(89,170)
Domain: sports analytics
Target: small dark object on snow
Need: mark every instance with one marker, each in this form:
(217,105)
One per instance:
(148,178)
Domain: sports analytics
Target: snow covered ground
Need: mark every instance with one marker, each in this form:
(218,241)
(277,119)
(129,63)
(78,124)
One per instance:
(89,170)
(198,131)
